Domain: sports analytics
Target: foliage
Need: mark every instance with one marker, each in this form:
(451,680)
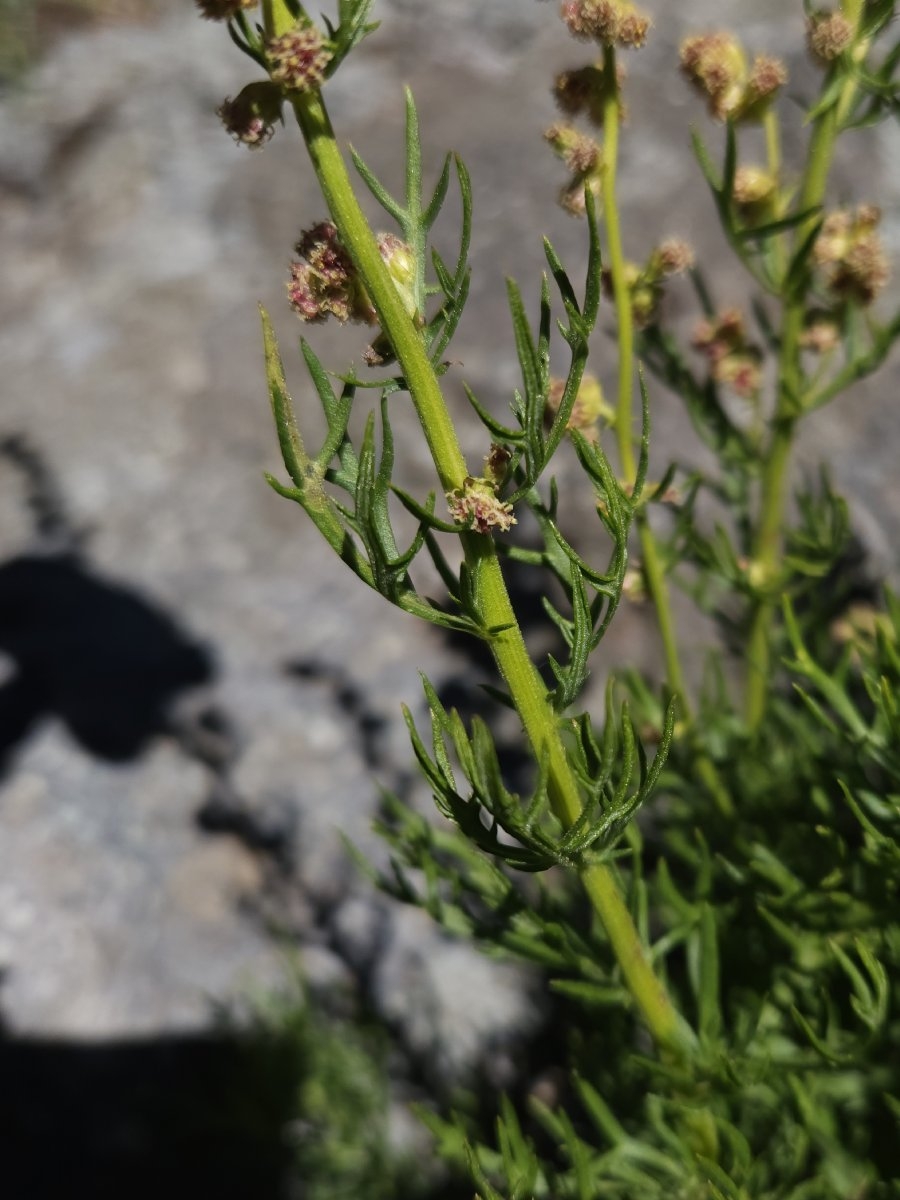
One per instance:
(726,963)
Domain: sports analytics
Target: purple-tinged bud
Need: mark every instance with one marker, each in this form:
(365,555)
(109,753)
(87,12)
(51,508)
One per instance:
(325,284)
(496,464)
(321,248)
(828,35)
(250,118)
(297,59)
(477,506)
(733,360)
(302,294)
(223,10)
(741,372)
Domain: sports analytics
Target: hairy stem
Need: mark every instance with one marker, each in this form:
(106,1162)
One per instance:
(525,685)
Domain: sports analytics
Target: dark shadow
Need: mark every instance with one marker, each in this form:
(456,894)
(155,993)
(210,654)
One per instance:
(175,1117)
(101,658)
(83,648)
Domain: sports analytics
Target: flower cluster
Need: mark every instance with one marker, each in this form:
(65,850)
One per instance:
(645,284)
(297,59)
(850,252)
(582,92)
(828,34)
(589,408)
(223,10)
(250,118)
(733,360)
(716,65)
(821,333)
(324,282)
(582,157)
(476,504)
(610,22)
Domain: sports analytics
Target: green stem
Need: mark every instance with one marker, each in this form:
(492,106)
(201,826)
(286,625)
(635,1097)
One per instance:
(525,685)
(789,405)
(654,572)
(277,17)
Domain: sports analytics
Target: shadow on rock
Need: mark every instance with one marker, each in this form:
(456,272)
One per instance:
(101,658)
(176,1116)
(83,648)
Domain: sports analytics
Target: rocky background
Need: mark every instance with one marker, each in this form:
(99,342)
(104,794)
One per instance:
(196,700)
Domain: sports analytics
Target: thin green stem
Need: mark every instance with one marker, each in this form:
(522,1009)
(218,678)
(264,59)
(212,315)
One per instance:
(525,685)
(395,321)
(654,571)
(789,405)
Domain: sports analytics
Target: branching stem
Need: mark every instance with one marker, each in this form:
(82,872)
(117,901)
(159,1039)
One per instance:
(491,598)
(654,571)
(789,403)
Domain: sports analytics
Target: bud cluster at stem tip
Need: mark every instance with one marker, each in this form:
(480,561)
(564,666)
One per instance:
(828,34)
(851,254)
(609,22)
(297,59)
(716,65)
(646,284)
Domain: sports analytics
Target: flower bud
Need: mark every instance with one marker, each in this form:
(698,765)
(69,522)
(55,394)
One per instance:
(828,35)
(581,92)
(325,284)
(767,76)
(401,265)
(716,65)
(671,257)
(580,153)
(610,22)
(645,284)
(297,59)
(755,192)
(821,334)
(733,360)
(496,464)
(477,506)
(851,254)
(250,118)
